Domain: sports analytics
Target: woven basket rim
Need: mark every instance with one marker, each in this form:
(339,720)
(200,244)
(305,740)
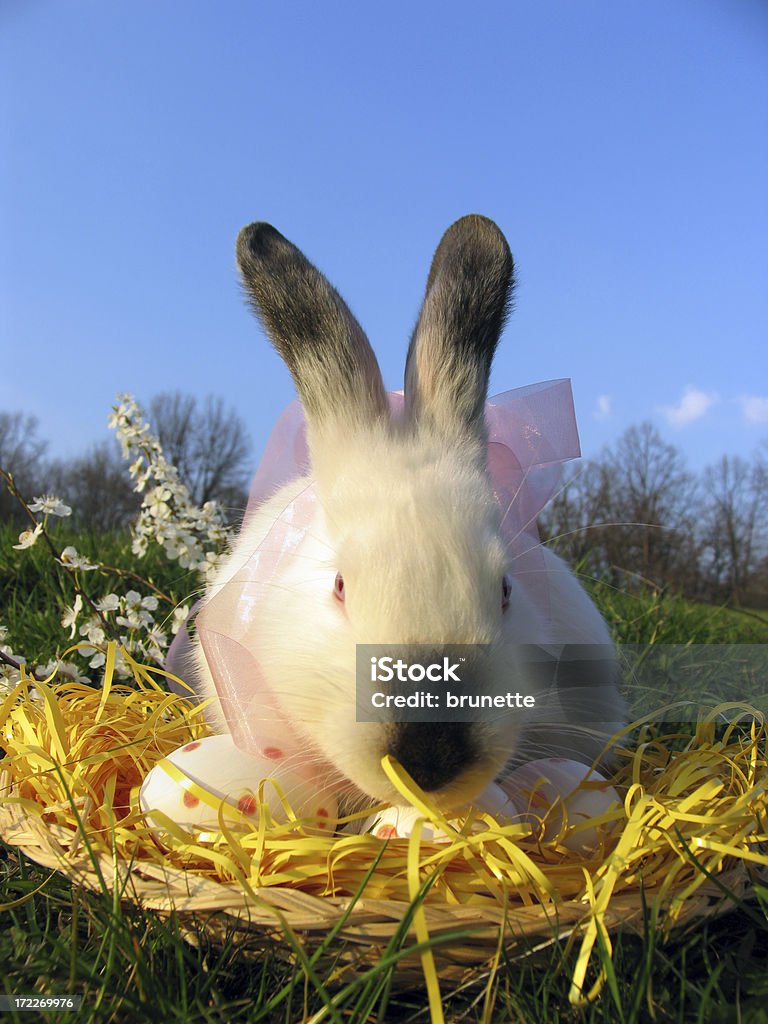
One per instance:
(370,920)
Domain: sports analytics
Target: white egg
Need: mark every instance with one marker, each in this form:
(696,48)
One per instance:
(195,781)
(397,821)
(537,786)
(494,800)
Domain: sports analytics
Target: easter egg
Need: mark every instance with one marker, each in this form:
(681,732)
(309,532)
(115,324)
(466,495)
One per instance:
(397,821)
(496,801)
(197,781)
(545,788)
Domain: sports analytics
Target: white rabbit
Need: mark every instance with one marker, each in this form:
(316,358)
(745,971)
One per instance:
(403,543)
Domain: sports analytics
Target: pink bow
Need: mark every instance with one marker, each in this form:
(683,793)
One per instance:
(531,432)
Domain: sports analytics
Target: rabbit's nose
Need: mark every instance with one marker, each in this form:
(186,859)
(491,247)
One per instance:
(433,753)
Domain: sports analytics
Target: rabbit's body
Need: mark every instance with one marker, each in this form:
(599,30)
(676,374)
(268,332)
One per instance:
(405,543)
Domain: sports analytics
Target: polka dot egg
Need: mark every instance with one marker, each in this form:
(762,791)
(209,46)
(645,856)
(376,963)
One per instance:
(397,822)
(193,783)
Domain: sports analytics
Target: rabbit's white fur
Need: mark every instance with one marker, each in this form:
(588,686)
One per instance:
(442,586)
(407,515)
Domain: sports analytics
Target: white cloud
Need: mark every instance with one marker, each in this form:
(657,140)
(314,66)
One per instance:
(691,407)
(755,408)
(603,410)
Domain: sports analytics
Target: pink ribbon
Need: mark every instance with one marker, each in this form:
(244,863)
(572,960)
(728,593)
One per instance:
(531,432)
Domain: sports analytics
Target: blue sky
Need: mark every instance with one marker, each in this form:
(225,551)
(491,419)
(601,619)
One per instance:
(621,147)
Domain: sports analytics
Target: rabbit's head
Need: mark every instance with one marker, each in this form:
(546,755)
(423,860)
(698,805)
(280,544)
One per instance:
(406,547)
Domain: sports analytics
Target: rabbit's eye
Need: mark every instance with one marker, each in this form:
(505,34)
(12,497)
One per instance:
(338,587)
(506,591)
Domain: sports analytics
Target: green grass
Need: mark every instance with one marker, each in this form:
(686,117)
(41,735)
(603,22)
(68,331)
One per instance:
(651,617)
(674,650)
(131,965)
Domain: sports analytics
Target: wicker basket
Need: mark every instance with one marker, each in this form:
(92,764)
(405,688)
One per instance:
(691,811)
(255,922)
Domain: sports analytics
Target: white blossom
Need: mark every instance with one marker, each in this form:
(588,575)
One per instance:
(93,630)
(98,658)
(139,545)
(28,537)
(122,669)
(69,618)
(64,668)
(180,616)
(156,502)
(157,636)
(133,599)
(10,677)
(135,618)
(136,611)
(212,562)
(72,560)
(50,506)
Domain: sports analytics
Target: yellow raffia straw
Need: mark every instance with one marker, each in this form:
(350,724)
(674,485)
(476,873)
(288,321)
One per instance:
(78,754)
(420,924)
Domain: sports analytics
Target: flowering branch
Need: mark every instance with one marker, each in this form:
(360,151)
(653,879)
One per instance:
(128,574)
(8,659)
(193,536)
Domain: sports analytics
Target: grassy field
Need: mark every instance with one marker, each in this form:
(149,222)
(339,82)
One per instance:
(132,966)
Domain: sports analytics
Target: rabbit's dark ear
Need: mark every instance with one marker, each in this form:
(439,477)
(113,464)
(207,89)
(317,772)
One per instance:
(331,362)
(466,303)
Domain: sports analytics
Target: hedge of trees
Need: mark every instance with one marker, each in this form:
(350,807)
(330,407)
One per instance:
(637,514)
(633,515)
(206,441)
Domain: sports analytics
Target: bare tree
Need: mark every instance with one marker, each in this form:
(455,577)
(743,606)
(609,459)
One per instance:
(97,487)
(207,443)
(630,513)
(21,454)
(573,521)
(653,504)
(735,524)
